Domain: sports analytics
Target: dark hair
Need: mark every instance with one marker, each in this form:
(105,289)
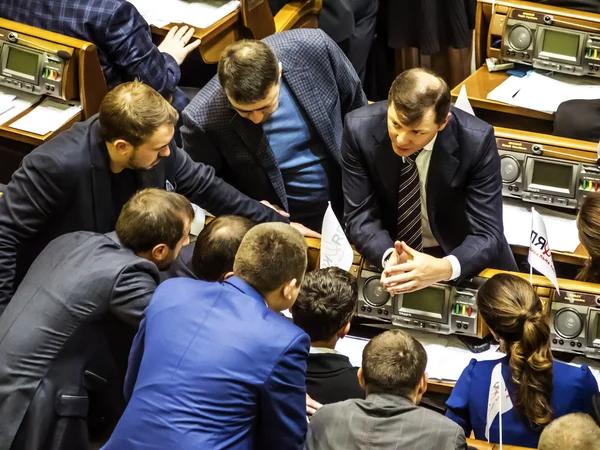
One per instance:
(270,255)
(133,111)
(217,244)
(393,363)
(511,308)
(247,70)
(414,91)
(588,224)
(575,431)
(326,303)
(152,217)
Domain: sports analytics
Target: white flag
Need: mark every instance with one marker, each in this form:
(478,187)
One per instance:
(462,101)
(540,257)
(497,402)
(335,248)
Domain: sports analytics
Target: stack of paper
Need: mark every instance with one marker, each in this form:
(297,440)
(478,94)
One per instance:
(13,103)
(196,13)
(545,92)
(561,227)
(47,117)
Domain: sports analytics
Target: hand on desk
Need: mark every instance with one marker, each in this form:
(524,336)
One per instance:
(306,232)
(176,43)
(408,270)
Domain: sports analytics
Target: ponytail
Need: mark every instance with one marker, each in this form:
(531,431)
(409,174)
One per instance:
(511,308)
(590,273)
(530,361)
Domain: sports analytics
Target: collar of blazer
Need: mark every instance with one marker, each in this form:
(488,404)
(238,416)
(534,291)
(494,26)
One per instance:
(245,288)
(104,214)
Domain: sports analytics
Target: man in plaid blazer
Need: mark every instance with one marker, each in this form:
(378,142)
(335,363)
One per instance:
(121,34)
(271,121)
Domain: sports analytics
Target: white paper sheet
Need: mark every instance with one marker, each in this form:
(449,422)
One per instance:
(49,116)
(447,356)
(196,13)
(561,227)
(19,102)
(462,101)
(545,92)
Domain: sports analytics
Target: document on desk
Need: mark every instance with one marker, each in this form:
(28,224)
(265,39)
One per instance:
(561,227)
(195,13)
(49,116)
(13,103)
(545,93)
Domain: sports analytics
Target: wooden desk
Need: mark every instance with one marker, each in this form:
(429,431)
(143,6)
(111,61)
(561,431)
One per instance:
(480,84)
(214,38)
(577,258)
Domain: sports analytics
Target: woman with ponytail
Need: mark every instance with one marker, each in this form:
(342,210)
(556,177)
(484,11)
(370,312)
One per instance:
(588,224)
(537,388)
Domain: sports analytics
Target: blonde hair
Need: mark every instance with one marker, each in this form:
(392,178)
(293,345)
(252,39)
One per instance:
(574,432)
(270,255)
(588,224)
(133,111)
(511,308)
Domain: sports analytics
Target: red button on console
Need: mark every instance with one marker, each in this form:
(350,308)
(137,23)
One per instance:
(470,311)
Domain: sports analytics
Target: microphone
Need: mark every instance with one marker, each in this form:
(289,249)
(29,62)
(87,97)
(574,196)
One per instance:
(14,37)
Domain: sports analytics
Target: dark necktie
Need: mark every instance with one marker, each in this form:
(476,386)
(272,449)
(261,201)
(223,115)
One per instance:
(409,205)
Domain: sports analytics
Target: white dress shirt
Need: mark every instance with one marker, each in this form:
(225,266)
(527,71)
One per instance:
(429,240)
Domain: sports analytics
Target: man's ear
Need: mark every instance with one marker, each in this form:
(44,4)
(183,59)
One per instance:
(422,388)
(289,290)
(343,332)
(122,146)
(160,252)
(443,125)
(225,276)
(361,378)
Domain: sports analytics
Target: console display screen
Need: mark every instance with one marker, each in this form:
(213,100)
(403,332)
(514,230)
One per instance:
(22,62)
(553,176)
(429,300)
(561,45)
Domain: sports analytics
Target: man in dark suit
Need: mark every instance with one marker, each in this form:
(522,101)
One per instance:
(63,335)
(324,309)
(422,187)
(271,123)
(393,376)
(121,35)
(214,365)
(81,179)
(211,257)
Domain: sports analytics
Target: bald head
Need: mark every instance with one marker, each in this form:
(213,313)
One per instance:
(217,244)
(247,70)
(573,431)
(415,92)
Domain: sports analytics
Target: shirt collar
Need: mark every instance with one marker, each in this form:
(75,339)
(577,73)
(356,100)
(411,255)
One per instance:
(314,350)
(429,146)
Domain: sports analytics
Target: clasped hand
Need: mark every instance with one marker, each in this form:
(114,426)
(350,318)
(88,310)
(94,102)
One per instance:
(408,270)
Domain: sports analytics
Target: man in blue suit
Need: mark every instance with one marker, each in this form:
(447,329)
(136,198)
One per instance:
(214,365)
(271,122)
(422,187)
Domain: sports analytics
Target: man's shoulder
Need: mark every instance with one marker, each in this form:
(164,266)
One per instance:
(297,41)
(373,113)
(471,125)
(210,105)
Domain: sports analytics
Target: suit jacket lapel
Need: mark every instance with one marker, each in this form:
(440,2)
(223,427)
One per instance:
(297,76)
(442,168)
(388,163)
(104,213)
(258,144)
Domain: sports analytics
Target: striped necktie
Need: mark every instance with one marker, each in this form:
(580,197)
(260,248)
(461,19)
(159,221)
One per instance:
(409,205)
